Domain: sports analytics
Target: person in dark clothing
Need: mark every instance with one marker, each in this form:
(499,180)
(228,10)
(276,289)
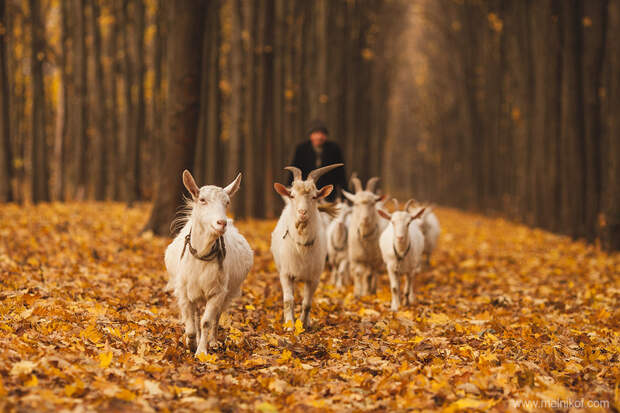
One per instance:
(316,152)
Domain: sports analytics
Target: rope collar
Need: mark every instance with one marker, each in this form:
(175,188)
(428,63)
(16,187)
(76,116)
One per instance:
(218,250)
(301,244)
(398,256)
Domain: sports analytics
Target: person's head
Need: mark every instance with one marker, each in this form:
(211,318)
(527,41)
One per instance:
(317,133)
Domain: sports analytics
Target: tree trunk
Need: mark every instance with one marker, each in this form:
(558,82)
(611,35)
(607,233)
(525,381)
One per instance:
(100,112)
(184,73)
(237,150)
(80,104)
(115,158)
(39,167)
(6,161)
(60,145)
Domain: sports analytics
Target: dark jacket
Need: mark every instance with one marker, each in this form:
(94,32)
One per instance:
(305,159)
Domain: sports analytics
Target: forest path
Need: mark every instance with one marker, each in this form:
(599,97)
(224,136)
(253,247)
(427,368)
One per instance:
(505,315)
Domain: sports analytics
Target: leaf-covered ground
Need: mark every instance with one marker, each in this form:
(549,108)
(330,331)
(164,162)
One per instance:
(505,315)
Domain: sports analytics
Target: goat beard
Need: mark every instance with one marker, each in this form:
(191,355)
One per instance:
(301,225)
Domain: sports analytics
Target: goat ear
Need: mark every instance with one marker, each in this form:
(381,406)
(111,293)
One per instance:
(381,198)
(281,189)
(384,214)
(233,186)
(325,191)
(190,184)
(348,195)
(419,214)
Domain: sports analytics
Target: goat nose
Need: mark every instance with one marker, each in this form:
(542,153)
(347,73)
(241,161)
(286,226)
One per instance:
(222,222)
(303,212)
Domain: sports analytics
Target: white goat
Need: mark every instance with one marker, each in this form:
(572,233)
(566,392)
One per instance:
(430,229)
(401,245)
(363,243)
(298,242)
(207,262)
(337,241)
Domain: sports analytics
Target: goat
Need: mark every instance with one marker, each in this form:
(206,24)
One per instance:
(207,262)
(363,241)
(337,241)
(430,228)
(401,245)
(298,242)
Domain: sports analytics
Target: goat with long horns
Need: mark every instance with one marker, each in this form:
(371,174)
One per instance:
(298,243)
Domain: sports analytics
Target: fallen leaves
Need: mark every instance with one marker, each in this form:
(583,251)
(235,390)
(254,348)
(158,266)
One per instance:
(504,313)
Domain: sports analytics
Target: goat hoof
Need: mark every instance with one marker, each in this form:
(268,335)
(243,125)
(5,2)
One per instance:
(394,307)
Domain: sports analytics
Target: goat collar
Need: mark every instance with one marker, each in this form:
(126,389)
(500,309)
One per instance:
(301,244)
(218,250)
(344,244)
(359,234)
(398,256)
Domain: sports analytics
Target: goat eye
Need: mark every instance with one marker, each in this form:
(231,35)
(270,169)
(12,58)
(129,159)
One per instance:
(202,201)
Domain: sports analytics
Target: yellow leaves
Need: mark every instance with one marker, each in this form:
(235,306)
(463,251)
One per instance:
(465,403)
(91,333)
(368,312)
(586,21)
(536,328)
(105,359)
(573,367)
(32,382)
(265,407)
(207,358)
(74,389)
(286,356)
(299,328)
(438,318)
(126,395)
(182,391)
(488,359)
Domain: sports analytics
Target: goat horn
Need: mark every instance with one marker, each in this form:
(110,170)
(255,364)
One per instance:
(355,181)
(295,171)
(409,204)
(317,173)
(372,183)
(395,202)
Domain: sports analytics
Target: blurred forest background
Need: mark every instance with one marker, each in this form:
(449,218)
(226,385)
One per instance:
(507,107)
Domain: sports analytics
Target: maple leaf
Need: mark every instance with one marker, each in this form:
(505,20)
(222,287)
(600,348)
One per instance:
(76,388)
(299,328)
(265,407)
(207,358)
(105,359)
(286,356)
(32,382)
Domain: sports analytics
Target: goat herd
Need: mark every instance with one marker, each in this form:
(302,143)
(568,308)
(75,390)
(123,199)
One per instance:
(209,259)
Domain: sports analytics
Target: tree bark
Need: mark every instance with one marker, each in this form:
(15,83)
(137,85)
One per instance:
(80,104)
(100,111)
(6,161)
(39,166)
(184,64)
